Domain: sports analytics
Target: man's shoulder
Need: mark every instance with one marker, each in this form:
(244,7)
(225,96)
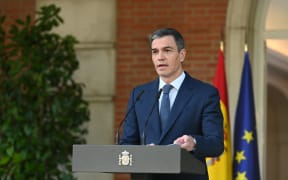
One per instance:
(200,84)
(148,85)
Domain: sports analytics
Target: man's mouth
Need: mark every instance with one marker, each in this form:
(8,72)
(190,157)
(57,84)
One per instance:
(162,65)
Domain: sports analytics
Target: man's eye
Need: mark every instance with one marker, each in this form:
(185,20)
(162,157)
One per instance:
(154,52)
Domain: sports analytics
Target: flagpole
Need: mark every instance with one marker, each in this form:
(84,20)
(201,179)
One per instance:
(222,46)
(245,48)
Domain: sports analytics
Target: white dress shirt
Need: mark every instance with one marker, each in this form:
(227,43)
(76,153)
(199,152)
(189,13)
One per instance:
(174,91)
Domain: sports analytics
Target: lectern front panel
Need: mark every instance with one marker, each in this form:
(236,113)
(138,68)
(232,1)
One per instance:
(134,159)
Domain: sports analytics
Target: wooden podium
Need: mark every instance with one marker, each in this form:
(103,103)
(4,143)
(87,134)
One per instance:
(140,161)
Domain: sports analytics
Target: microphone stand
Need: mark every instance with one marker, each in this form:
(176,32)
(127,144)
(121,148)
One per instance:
(143,137)
(128,112)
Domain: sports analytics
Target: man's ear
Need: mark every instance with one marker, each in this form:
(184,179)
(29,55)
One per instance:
(182,55)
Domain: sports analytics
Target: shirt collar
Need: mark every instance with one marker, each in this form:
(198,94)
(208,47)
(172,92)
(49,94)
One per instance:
(176,83)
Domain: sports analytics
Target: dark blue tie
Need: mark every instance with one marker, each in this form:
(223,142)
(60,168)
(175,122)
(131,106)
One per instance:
(165,105)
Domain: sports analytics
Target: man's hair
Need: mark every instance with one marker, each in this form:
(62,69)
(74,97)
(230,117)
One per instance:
(168,32)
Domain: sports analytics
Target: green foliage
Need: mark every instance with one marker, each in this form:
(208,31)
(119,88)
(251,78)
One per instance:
(42,110)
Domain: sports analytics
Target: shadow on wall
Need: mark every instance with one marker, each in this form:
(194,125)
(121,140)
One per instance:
(277,124)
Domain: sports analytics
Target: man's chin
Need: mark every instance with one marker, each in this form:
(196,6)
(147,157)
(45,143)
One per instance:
(162,74)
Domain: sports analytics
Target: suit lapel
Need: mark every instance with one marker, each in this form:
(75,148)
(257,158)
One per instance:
(183,97)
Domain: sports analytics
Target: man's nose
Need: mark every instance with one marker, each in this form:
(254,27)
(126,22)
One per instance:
(161,55)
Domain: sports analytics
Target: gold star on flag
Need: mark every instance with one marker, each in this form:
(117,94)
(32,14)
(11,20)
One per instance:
(241,176)
(240,156)
(248,136)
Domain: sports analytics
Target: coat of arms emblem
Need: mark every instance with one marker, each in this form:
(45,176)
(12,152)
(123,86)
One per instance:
(125,159)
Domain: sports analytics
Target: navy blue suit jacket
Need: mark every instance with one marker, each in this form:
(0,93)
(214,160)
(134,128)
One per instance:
(196,112)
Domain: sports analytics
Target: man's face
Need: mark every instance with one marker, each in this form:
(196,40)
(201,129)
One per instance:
(166,58)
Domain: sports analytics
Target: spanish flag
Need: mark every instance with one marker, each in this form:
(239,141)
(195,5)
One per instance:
(221,167)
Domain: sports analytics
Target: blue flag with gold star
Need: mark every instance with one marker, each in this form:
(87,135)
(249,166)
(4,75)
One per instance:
(245,159)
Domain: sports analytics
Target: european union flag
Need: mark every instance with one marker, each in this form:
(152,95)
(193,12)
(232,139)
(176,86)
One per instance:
(246,162)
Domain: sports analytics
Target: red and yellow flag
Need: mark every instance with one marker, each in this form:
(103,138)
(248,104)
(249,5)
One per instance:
(221,167)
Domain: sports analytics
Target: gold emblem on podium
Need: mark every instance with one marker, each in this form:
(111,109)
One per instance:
(125,159)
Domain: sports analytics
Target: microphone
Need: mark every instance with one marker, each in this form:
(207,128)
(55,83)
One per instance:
(143,138)
(128,112)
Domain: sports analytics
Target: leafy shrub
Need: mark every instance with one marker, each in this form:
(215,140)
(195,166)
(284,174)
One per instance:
(42,110)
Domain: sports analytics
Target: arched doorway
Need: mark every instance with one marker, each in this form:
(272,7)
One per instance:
(247,21)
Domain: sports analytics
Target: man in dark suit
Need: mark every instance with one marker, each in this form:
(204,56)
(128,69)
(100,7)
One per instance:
(193,120)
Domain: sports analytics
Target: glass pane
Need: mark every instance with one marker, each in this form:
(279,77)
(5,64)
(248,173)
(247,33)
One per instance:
(277,15)
(280,46)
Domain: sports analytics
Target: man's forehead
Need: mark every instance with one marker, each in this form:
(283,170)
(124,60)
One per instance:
(163,42)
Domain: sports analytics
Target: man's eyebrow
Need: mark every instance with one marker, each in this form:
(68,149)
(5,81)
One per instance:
(165,47)
(168,47)
(154,49)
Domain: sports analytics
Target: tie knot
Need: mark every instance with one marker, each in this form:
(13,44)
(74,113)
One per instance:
(167,88)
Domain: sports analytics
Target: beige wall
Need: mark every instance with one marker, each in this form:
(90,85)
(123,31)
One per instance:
(92,22)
